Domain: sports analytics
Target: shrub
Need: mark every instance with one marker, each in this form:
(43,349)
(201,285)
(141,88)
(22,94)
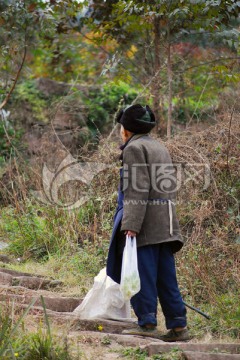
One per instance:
(103,104)
(17,343)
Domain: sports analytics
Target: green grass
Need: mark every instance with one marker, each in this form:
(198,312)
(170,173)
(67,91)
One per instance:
(140,354)
(174,354)
(16,342)
(37,232)
(134,353)
(225,318)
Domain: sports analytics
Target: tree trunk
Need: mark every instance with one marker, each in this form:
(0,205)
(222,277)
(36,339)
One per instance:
(169,72)
(156,80)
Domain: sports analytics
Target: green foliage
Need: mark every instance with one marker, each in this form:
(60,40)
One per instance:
(139,354)
(127,20)
(59,48)
(193,108)
(19,21)
(17,343)
(9,328)
(43,232)
(31,234)
(89,259)
(5,328)
(66,57)
(27,92)
(134,353)
(211,25)
(174,354)
(225,317)
(106,340)
(103,104)
(43,347)
(24,22)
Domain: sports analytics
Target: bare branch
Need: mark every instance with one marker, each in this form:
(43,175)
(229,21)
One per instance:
(207,63)
(16,78)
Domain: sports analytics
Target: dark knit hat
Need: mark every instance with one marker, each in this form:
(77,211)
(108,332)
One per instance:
(137,118)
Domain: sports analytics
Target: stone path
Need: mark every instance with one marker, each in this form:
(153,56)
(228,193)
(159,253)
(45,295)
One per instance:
(198,351)
(99,338)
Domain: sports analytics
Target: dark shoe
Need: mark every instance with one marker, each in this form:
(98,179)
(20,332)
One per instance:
(172,336)
(143,331)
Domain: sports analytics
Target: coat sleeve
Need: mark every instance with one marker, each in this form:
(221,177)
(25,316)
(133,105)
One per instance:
(136,186)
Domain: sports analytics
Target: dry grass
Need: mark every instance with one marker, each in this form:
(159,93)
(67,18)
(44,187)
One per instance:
(208,265)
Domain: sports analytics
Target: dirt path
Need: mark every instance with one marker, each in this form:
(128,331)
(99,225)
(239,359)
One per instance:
(95,339)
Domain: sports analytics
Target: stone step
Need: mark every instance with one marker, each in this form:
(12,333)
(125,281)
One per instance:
(124,340)
(16,273)
(78,325)
(53,301)
(105,326)
(5,259)
(109,344)
(193,355)
(160,347)
(6,279)
(35,282)
(14,278)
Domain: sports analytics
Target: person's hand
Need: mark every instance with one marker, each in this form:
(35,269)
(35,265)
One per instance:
(130,233)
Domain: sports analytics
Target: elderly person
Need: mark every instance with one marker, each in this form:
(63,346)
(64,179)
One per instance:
(146,210)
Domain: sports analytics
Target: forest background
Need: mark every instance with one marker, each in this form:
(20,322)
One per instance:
(67,67)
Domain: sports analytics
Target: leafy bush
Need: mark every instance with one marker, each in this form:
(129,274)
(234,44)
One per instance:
(35,232)
(103,104)
(193,109)
(27,91)
(39,231)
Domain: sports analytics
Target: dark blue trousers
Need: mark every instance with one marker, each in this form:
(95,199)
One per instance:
(156,265)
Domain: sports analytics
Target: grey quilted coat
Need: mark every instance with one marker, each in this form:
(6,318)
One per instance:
(149,188)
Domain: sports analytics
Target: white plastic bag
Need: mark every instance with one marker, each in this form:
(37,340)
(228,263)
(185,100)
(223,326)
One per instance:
(104,301)
(130,280)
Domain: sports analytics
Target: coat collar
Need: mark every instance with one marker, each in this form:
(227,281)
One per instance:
(132,138)
(136,136)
